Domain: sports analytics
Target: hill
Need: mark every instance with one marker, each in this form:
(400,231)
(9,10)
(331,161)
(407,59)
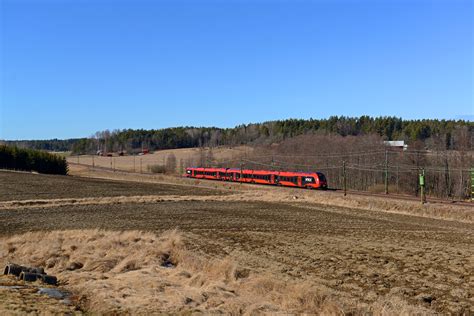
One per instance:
(444,132)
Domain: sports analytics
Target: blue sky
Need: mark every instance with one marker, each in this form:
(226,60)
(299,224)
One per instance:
(70,68)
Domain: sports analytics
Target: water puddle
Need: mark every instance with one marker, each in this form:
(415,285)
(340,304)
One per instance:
(54,293)
(51,292)
(12,287)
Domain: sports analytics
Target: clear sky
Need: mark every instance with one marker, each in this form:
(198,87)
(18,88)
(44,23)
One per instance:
(71,68)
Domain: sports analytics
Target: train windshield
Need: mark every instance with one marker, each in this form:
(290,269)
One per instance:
(321,177)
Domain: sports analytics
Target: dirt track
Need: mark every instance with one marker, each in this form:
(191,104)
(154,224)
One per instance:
(354,254)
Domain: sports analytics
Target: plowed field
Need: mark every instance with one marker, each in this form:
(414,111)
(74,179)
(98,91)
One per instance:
(356,255)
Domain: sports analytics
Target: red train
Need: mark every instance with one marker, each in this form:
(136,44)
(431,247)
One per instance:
(309,180)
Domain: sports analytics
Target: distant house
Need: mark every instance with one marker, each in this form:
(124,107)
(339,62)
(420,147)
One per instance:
(398,144)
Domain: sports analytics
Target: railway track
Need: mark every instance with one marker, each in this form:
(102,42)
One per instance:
(407,197)
(336,191)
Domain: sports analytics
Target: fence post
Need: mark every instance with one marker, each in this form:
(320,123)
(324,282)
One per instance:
(344,177)
(398,179)
(472,184)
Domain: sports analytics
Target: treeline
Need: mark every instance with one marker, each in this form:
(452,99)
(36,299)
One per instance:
(47,145)
(388,128)
(366,162)
(15,158)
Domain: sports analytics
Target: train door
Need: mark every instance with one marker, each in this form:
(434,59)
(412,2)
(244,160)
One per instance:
(299,182)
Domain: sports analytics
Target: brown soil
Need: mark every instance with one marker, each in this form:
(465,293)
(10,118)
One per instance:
(27,186)
(352,254)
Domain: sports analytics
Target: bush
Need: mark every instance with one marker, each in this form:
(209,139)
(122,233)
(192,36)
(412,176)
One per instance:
(157,168)
(32,160)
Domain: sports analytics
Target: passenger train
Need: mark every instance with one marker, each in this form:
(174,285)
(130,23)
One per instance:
(308,180)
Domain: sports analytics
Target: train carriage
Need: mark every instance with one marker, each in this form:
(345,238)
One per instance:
(309,180)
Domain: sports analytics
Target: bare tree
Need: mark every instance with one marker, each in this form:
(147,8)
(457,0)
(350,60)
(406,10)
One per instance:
(171,163)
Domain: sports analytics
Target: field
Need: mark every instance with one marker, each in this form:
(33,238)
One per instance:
(238,249)
(188,156)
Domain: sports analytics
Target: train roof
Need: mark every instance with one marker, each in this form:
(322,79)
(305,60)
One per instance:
(257,170)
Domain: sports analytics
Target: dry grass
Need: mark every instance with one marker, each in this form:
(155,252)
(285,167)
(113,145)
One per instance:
(439,211)
(124,272)
(189,156)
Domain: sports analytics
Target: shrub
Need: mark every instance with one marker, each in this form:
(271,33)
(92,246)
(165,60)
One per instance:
(157,168)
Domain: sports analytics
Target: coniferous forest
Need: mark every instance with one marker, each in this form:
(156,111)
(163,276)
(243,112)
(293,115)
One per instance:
(388,128)
(31,160)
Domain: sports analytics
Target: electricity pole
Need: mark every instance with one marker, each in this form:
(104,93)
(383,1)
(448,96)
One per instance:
(344,177)
(241,164)
(386,171)
(422,186)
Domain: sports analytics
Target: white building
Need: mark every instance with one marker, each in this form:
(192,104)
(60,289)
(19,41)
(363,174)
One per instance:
(396,144)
